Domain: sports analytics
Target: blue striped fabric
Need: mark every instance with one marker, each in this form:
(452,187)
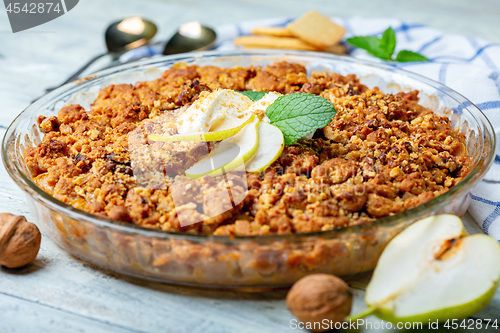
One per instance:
(468,65)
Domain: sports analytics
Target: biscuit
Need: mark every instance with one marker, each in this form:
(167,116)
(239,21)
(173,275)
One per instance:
(272,42)
(316,29)
(336,49)
(272,31)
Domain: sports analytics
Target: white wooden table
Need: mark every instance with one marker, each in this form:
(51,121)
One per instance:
(59,293)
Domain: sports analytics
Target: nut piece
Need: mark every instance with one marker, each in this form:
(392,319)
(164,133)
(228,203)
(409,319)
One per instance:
(19,241)
(317,297)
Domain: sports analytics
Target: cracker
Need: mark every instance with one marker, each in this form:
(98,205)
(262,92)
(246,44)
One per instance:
(272,31)
(316,29)
(272,42)
(336,49)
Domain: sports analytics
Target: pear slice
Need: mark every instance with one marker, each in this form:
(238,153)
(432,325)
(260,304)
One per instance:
(223,129)
(230,153)
(433,271)
(271,144)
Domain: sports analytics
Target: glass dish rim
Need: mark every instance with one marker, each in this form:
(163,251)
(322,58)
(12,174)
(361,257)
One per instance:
(25,182)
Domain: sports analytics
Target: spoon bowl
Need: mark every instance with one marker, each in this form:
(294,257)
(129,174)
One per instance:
(129,33)
(190,37)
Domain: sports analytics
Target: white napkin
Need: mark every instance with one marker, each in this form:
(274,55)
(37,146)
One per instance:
(471,66)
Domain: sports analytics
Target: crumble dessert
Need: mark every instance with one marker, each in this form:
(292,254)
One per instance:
(381,154)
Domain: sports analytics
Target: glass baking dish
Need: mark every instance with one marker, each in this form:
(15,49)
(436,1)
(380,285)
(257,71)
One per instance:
(239,262)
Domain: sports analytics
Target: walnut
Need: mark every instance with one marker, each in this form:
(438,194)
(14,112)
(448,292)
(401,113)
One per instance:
(19,241)
(317,297)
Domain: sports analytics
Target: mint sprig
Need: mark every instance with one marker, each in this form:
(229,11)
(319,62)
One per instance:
(408,56)
(383,48)
(253,95)
(300,114)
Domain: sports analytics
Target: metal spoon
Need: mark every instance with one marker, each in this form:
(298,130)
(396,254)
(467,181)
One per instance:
(190,37)
(121,36)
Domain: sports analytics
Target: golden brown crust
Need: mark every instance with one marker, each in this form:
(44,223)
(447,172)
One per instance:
(380,155)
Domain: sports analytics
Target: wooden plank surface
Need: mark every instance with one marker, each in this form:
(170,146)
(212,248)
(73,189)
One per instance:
(59,293)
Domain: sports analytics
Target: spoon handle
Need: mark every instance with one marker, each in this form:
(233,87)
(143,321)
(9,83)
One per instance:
(77,73)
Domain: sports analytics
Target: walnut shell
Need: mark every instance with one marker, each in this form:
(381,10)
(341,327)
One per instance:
(19,241)
(319,296)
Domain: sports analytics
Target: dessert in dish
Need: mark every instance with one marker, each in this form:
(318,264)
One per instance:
(380,155)
(273,260)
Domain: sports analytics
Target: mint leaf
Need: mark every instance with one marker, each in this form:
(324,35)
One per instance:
(408,56)
(370,44)
(383,48)
(300,114)
(253,95)
(388,42)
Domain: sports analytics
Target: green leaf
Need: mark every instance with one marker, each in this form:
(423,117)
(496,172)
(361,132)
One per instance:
(253,95)
(388,42)
(300,114)
(370,44)
(408,56)
(382,48)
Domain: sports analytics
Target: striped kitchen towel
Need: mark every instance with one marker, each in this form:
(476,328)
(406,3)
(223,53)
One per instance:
(470,66)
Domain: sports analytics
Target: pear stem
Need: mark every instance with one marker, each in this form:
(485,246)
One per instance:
(370,310)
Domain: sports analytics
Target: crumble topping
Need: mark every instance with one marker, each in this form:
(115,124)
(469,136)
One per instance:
(380,155)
